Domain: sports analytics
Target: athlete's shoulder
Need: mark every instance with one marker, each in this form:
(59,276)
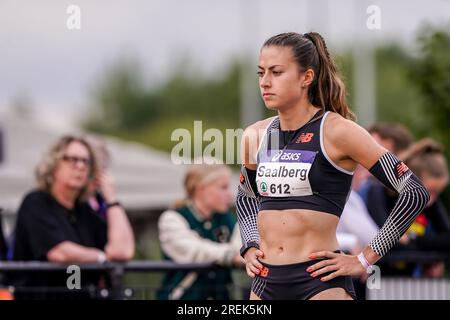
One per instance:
(339,127)
(352,140)
(251,138)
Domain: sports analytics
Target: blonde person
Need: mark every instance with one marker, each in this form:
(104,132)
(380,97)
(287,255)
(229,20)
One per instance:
(297,176)
(55,223)
(201,229)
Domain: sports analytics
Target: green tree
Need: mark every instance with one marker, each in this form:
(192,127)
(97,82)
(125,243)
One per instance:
(122,100)
(124,106)
(431,73)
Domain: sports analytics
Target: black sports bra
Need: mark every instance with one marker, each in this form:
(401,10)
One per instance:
(295,172)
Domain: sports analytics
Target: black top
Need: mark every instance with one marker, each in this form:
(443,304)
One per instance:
(43,223)
(3,247)
(298,173)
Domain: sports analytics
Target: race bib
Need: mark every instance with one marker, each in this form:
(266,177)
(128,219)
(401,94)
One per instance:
(284,173)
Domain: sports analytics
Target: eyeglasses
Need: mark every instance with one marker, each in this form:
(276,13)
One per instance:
(74,160)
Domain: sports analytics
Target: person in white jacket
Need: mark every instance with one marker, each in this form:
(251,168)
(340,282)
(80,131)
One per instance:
(201,229)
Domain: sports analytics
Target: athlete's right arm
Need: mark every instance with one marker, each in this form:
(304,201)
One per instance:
(247,201)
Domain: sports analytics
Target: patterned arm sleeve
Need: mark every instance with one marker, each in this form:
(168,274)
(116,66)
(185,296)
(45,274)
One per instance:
(247,207)
(412,199)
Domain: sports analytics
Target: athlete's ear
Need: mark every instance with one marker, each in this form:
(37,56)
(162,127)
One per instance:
(308,77)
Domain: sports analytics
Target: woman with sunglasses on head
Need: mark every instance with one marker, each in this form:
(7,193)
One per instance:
(297,173)
(55,223)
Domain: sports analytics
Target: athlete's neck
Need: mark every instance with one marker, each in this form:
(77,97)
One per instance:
(297,116)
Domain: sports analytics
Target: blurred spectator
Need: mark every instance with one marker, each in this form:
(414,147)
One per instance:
(3,247)
(431,229)
(394,137)
(55,223)
(356,227)
(201,229)
(4,293)
(95,197)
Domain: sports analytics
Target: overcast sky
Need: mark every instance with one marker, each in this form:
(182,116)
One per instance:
(57,67)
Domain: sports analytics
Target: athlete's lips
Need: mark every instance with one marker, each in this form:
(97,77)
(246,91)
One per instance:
(267,95)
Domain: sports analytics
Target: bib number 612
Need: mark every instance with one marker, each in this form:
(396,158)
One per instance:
(280,188)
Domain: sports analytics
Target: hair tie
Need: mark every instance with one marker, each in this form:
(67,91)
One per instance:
(308,36)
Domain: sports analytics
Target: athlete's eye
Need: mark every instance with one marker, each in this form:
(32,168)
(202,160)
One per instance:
(277,73)
(260,73)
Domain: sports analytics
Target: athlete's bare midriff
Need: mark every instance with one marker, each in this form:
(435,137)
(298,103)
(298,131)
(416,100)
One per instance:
(290,236)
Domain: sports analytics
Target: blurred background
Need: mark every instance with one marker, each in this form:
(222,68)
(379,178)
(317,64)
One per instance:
(137,70)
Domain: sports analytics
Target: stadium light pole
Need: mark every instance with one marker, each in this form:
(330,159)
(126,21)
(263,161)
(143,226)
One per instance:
(364,67)
(250,106)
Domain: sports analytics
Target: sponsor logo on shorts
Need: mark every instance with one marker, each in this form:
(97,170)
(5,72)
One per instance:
(264,272)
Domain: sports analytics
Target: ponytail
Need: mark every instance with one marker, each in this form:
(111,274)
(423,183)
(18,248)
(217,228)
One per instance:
(328,89)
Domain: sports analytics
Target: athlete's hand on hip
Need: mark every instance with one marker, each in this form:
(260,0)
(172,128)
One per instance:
(252,265)
(339,264)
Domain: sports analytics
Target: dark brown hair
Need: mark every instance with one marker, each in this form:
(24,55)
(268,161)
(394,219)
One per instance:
(310,51)
(399,134)
(426,156)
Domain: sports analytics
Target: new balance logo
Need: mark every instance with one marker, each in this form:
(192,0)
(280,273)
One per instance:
(305,137)
(264,272)
(401,169)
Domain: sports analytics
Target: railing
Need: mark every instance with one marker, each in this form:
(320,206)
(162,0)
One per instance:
(408,288)
(117,270)
(416,256)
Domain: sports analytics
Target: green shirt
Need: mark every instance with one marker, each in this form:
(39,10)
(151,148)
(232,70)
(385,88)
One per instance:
(209,284)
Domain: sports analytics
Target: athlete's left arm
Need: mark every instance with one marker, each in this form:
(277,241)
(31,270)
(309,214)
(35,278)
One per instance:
(356,143)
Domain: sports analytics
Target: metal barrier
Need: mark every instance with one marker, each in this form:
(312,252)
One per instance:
(410,289)
(117,270)
(407,288)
